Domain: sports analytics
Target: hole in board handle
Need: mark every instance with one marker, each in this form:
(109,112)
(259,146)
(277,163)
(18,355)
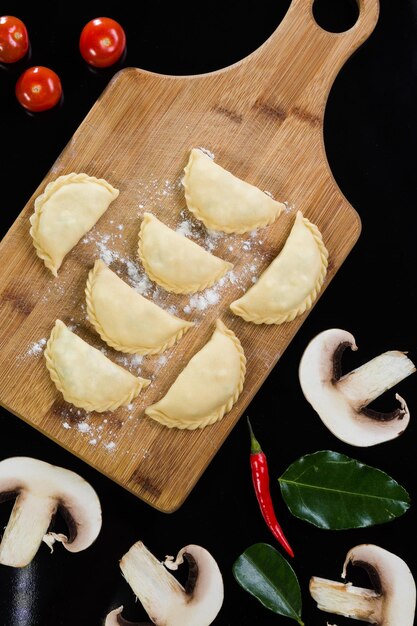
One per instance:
(336,16)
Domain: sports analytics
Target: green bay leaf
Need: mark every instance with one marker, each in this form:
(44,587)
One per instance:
(263,572)
(333,491)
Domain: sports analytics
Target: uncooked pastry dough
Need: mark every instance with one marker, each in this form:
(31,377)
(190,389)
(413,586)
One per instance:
(68,208)
(86,377)
(207,387)
(222,201)
(175,262)
(290,284)
(124,319)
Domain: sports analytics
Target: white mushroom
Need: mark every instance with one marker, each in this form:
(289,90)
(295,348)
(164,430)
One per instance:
(342,401)
(40,490)
(165,600)
(392,601)
(114,618)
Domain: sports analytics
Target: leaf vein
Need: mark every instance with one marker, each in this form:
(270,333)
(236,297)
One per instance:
(341,491)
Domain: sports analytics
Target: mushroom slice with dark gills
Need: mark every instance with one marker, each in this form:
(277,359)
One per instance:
(165,600)
(392,601)
(342,401)
(41,490)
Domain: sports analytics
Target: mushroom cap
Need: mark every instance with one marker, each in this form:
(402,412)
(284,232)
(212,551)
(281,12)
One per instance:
(394,579)
(115,618)
(74,496)
(341,401)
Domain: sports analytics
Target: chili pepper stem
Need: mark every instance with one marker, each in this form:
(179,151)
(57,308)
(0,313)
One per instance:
(255,446)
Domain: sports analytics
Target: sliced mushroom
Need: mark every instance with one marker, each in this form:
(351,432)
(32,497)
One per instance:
(165,600)
(40,490)
(392,601)
(342,401)
(114,618)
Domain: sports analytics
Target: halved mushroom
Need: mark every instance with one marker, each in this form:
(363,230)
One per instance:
(114,618)
(40,490)
(165,600)
(342,401)
(392,601)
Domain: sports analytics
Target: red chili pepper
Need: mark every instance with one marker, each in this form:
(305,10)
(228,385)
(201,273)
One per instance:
(260,478)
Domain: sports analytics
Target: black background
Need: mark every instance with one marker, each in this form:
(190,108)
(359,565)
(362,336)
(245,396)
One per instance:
(370,136)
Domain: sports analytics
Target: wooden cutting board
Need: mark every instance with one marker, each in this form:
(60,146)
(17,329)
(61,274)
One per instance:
(263,120)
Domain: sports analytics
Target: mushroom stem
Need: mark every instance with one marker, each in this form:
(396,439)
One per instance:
(347,600)
(28,523)
(367,382)
(150,581)
(164,599)
(392,602)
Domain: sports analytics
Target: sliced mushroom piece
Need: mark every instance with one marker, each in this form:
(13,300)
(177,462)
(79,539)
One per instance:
(392,601)
(40,490)
(342,401)
(165,600)
(114,618)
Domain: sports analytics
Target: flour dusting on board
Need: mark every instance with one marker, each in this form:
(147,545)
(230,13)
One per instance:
(97,430)
(117,250)
(36,348)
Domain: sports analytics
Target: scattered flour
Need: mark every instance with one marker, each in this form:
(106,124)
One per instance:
(201,301)
(131,361)
(185,229)
(115,251)
(233,278)
(36,349)
(136,361)
(83,427)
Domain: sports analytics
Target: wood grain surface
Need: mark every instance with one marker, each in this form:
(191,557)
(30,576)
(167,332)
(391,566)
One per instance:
(263,120)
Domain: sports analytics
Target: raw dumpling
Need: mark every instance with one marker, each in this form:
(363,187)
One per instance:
(175,262)
(290,284)
(222,201)
(126,320)
(65,212)
(208,386)
(86,377)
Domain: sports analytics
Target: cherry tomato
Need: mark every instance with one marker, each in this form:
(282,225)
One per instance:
(102,42)
(38,89)
(14,41)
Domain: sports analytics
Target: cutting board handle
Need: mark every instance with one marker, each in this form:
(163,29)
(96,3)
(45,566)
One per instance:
(302,74)
(357,34)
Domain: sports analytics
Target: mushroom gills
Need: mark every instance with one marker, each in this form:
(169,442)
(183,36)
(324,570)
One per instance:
(342,401)
(391,603)
(165,600)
